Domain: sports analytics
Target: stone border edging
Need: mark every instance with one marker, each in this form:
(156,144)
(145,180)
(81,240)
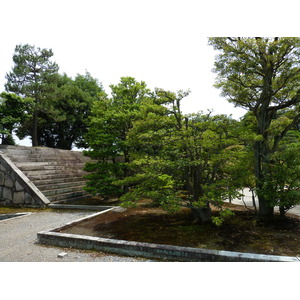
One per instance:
(129,248)
(18,216)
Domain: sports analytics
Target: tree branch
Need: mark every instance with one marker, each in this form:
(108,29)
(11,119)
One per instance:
(289,103)
(280,136)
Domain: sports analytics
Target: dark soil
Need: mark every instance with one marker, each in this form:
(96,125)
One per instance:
(243,232)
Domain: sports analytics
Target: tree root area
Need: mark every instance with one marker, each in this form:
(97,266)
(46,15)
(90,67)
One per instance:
(244,232)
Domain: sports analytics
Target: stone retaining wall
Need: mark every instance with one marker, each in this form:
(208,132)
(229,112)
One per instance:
(16,189)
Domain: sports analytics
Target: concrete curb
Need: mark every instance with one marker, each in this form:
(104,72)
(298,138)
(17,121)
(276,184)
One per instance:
(148,250)
(16,216)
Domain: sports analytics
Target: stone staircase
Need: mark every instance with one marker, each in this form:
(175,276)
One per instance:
(58,174)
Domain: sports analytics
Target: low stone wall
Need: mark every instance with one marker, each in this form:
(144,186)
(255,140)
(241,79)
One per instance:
(16,189)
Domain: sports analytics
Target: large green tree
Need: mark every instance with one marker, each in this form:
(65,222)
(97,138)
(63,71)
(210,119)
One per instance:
(112,118)
(33,75)
(71,105)
(261,75)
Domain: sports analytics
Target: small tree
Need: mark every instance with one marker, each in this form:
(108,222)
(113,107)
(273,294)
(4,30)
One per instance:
(33,76)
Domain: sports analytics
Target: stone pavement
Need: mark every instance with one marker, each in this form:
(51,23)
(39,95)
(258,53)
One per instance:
(18,238)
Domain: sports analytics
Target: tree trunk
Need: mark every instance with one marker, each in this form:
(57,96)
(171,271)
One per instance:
(253,201)
(34,130)
(202,214)
(262,162)
(264,210)
(282,211)
(261,166)
(126,170)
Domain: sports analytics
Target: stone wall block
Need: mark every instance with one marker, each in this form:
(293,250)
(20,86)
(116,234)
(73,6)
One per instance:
(1,193)
(7,193)
(18,197)
(2,176)
(8,181)
(28,199)
(18,187)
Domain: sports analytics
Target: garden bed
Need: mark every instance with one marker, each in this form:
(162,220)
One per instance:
(242,233)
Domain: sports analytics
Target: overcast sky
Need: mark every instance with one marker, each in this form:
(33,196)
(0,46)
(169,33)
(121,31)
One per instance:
(163,43)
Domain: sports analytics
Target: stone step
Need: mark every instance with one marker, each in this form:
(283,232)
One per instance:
(51,155)
(58,174)
(66,196)
(41,166)
(47,158)
(53,181)
(60,185)
(49,176)
(31,154)
(31,164)
(39,158)
(23,150)
(51,170)
(70,200)
(53,192)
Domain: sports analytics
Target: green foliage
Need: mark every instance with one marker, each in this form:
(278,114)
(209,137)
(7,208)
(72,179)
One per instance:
(182,160)
(33,76)
(33,72)
(111,120)
(71,108)
(262,75)
(248,67)
(224,214)
(282,182)
(12,112)
(101,178)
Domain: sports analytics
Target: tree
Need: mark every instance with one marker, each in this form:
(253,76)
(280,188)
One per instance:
(12,112)
(111,120)
(182,160)
(261,75)
(71,105)
(34,76)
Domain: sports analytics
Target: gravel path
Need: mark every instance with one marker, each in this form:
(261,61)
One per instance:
(18,237)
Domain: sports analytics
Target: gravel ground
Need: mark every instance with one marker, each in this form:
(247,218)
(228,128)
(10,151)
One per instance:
(18,237)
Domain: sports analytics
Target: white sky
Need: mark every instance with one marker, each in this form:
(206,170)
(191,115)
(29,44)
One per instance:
(163,43)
